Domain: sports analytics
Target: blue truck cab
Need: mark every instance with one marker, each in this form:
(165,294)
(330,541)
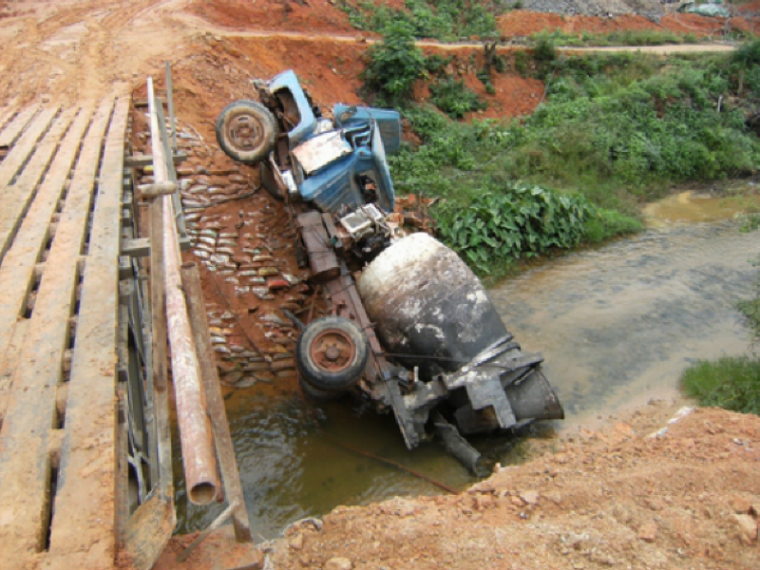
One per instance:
(328,163)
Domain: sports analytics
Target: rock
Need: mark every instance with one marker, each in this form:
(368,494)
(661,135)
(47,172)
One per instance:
(746,526)
(648,531)
(274,284)
(269,271)
(530,497)
(296,543)
(338,563)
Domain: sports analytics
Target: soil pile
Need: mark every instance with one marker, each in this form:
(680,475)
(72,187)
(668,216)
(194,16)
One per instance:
(633,496)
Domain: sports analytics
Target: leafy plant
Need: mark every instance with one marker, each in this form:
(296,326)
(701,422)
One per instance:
(446,20)
(393,65)
(454,98)
(520,221)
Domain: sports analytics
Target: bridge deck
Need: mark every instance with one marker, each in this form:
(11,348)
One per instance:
(61,184)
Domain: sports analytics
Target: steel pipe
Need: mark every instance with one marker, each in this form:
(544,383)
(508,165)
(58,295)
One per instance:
(197,456)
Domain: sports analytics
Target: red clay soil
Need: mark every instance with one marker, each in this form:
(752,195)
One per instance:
(522,23)
(291,15)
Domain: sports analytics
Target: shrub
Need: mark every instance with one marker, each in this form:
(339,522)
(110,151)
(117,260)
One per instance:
(446,20)
(519,221)
(393,65)
(454,98)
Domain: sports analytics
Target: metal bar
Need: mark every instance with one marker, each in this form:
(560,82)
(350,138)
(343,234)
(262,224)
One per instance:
(219,521)
(191,281)
(170,99)
(197,457)
(158,348)
(171,175)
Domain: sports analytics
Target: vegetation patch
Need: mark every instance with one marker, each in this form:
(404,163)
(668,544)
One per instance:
(730,383)
(393,65)
(446,20)
(516,222)
(616,38)
(454,98)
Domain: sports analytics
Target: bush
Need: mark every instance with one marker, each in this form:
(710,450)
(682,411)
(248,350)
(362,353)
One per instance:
(393,65)
(730,383)
(519,221)
(446,20)
(454,98)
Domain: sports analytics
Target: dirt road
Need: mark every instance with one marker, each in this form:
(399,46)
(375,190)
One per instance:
(688,499)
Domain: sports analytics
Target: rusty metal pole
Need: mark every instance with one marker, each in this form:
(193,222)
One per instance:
(191,280)
(158,341)
(197,456)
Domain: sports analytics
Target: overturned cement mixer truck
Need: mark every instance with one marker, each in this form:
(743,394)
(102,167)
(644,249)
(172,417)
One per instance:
(416,332)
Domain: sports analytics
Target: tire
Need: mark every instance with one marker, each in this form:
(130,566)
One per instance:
(331,354)
(246,131)
(268,181)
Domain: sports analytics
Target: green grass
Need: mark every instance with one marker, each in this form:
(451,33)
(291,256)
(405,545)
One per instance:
(732,383)
(617,38)
(445,20)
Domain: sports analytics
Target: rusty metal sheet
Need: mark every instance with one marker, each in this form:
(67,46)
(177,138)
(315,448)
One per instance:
(321,150)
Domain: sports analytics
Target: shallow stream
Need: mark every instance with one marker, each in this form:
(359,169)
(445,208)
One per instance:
(616,326)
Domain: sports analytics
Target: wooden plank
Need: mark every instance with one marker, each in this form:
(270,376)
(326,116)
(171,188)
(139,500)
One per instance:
(16,341)
(143,160)
(140,247)
(12,130)
(20,152)
(5,115)
(17,273)
(83,528)
(17,197)
(25,468)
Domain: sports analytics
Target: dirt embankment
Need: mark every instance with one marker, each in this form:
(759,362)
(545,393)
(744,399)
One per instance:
(616,499)
(687,497)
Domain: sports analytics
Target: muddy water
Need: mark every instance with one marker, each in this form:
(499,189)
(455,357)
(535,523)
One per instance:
(616,325)
(619,324)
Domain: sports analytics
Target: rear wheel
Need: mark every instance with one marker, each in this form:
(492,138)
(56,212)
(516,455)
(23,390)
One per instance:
(331,354)
(246,131)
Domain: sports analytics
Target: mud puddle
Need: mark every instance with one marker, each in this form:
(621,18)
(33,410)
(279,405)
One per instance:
(617,325)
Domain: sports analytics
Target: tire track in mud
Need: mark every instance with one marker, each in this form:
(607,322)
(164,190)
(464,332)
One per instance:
(37,60)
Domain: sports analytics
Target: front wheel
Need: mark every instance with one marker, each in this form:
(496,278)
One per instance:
(246,131)
(331,354)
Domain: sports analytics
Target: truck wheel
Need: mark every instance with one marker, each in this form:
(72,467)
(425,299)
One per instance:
(246,131)
(331,354)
